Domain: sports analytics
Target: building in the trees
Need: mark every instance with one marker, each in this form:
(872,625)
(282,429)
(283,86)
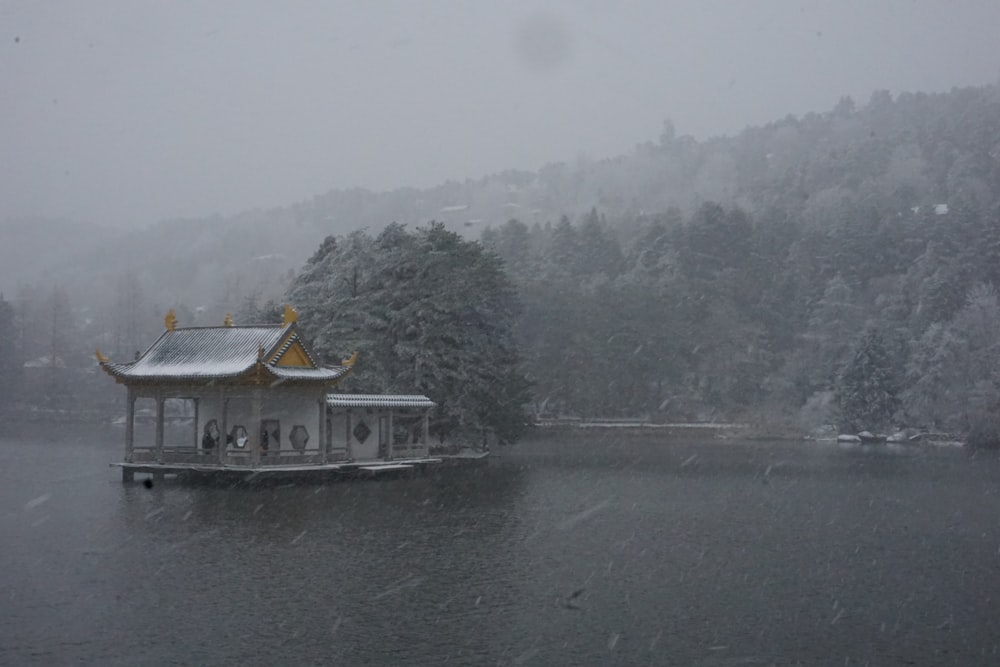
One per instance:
(254,398)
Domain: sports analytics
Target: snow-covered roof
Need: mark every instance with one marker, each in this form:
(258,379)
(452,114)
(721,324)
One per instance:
(378,401)
(209,353)
(289,373)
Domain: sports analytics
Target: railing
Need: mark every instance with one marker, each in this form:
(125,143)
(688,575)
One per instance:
(232,456)
(337,455)
(174,455)
(410,451)
(291,457)
(244,457)
(240,457)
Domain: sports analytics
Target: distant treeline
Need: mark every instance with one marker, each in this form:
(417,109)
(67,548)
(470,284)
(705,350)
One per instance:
(721,315)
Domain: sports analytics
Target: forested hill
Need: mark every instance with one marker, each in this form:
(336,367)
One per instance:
(851,276)
(916,149)
(688,279)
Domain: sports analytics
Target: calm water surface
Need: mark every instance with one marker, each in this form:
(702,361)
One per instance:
(612,549)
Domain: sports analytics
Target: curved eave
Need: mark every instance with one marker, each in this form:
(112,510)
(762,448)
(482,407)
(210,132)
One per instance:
(259,373)
(126,373)
(312,375)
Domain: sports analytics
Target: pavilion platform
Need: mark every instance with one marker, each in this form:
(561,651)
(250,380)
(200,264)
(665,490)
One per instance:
(300,470)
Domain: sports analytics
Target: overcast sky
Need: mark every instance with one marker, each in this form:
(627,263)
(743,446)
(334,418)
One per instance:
(127,112)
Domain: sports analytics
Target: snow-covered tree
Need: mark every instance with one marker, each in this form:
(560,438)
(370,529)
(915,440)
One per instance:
(954,374)
(429,312)
(867,388)
(932,397)
(10,361)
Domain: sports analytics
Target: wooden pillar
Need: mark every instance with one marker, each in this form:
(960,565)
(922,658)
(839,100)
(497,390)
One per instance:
(159,426)
(253,430)
(197,423)
(128,474)
(324,448)
(224,432)
(129,424)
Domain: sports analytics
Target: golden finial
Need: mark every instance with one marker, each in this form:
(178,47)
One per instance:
(101,359)
(291,315)
(228,322)
(170,321)
(350,361)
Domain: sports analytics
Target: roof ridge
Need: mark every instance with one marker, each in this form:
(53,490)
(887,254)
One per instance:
(235,326)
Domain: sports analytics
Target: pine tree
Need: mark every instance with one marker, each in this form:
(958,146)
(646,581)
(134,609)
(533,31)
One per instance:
(429,312)
(867,389)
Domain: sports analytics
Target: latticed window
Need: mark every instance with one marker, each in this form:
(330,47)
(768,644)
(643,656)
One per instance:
(362,431)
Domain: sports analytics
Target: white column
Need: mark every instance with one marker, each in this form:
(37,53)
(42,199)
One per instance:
(129,424)
(224,432)
(389,441)
(253,431)
(159,426)
(323,444)
(347,433)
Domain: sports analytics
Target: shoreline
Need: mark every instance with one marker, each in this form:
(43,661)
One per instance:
(722,431)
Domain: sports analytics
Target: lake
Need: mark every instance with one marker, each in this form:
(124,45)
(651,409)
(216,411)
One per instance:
(591,549)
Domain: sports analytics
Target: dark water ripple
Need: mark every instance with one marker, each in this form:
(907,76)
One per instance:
(609,550)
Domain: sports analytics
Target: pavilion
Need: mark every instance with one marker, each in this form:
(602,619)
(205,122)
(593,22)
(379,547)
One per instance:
(254,399)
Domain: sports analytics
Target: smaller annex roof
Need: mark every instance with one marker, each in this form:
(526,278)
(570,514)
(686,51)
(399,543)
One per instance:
(378,401)
(211,353)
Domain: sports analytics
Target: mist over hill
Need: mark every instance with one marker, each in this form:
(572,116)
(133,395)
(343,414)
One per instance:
(859,193)
(912,150)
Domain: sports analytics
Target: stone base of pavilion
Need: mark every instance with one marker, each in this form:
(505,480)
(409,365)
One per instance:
(301,470)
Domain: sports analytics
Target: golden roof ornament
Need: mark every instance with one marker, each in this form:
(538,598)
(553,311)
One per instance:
(228,322)
(290,315)
(101,359)
(350,361)
(170,321)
